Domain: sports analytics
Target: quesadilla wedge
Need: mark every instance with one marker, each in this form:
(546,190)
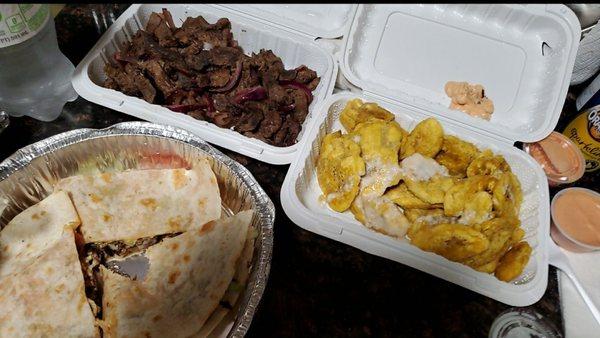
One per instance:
(46,297)
(134,204)
(36,229)
(187,277)
(235,289)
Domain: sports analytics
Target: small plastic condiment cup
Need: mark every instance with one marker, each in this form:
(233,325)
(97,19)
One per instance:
(568,149)
(560,236)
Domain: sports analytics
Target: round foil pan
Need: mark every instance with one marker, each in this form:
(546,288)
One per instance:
(28,176)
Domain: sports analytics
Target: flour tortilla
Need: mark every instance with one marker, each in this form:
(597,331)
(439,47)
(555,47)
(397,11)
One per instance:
(3,205)
(242,272)
(187,277)
(46,298)
(34,230)
(143,203)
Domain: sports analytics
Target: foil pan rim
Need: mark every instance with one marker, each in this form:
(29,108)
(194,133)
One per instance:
(265,208)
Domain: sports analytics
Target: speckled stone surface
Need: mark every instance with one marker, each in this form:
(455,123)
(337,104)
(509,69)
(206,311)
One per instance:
(317,287)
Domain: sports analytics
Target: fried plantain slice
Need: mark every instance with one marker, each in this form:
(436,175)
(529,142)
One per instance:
(478,208)
(456,155)
(456,242)
(507,195)
(380,214)
(499,232)
(379,143)
(426,139)
(349,114)
(488,164)
(406,199)
(357,112)
(428,216)
(339,168)
(464,190)
(511,265)
(431,191)
(489,267)
(517,235)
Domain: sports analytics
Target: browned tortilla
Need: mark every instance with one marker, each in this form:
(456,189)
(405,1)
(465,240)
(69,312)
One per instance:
(187,277)
(142,203)
(41,285)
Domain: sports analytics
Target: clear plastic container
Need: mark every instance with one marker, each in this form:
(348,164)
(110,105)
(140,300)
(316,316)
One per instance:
(35,77)
(516,323)
(560,231)
(3,120)
(560,158)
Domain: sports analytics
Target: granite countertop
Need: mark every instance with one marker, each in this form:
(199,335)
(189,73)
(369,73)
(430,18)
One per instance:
(317,287)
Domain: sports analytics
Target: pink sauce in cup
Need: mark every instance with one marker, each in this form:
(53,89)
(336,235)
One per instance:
(576,219)
(561,159)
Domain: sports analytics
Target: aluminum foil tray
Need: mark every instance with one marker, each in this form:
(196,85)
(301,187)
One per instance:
(28,176)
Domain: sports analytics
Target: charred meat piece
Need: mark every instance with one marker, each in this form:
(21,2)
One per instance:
(287,134)
(160,78)
(199,30)
(305,74)
(199,70)
(270,124)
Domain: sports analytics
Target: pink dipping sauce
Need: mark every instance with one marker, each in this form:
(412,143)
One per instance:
(560,158)
(576,215)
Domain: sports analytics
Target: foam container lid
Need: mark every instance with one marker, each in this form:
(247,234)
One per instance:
(523,55)
(255,27)
(401,56)
(318,20)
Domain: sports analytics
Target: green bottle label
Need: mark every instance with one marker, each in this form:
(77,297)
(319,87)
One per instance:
(20,22)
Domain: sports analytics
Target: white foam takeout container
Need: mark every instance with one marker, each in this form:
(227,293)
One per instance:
(289,30)
(401,56)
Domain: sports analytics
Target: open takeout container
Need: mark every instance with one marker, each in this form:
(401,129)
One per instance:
(289,30)
(401,56)
(28,176)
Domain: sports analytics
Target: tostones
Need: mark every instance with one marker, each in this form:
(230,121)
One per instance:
(406,199)
(427,216)
(499,232)
(464,190)
(357,112)
(477,209)
(456,242)
(432,191)
(380,214)
(379,143)
(507,195)
(426,139)
(488,164)
(512,264)
(339,168)
(456,155)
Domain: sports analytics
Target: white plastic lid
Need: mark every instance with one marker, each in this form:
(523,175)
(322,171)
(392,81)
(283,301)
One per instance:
(317,20)
(523,55)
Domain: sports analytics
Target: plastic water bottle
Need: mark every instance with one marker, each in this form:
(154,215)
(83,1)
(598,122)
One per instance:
(35,77)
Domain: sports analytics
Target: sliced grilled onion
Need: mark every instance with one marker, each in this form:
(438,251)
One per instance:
(210,105)
(250,94)
(124,59)
(184,108)
(298,85)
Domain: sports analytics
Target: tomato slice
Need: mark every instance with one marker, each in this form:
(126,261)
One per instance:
(163,161)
